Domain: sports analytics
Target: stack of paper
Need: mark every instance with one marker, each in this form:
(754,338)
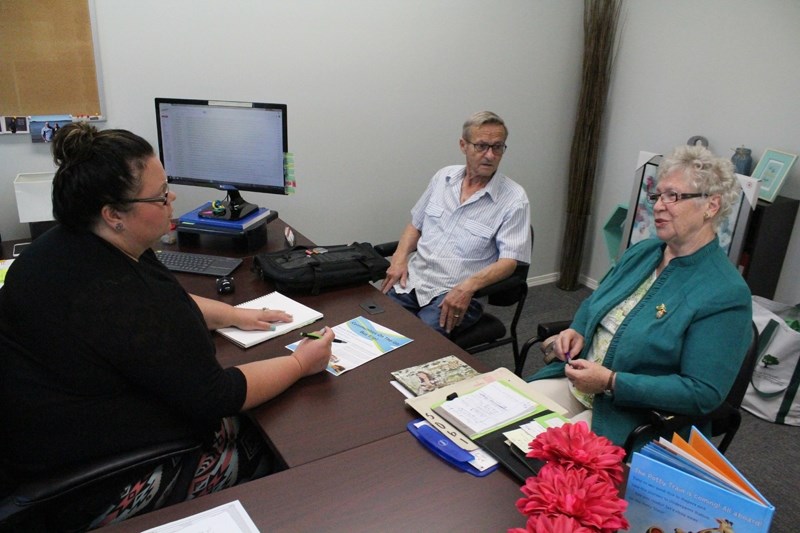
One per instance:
(486,409)
(301,314)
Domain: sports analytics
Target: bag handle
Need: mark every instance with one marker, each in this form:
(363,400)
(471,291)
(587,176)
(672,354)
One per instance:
(764,338)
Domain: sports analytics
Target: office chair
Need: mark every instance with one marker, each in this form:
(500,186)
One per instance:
(489,331)
(725,419)
(36,505)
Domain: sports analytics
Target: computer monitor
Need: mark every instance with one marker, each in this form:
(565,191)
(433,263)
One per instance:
(232,146)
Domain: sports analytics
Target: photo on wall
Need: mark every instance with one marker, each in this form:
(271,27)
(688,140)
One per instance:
(43,128)
(15,124)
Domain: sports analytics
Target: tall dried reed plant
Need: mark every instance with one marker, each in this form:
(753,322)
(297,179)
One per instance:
(600,19)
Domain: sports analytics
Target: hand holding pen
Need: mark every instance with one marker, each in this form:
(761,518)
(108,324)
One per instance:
(315,354)
(317,336)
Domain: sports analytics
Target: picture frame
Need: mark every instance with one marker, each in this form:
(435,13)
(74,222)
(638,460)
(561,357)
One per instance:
(771,171)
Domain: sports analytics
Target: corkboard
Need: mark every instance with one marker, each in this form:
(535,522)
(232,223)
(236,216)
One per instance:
(47,58)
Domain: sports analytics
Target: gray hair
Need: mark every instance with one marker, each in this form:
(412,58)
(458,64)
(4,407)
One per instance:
(479,119)
(707,173)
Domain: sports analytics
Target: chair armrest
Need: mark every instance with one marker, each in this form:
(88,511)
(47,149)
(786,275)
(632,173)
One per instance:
(548,329)
(664,422)
(75,477)
(387,248)
(508,284)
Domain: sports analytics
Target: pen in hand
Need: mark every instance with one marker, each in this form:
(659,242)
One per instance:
(318,336)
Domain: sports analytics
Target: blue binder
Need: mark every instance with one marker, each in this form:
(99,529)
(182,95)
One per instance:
(444,448)
(194,219)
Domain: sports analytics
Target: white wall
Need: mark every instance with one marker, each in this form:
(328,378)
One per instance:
(376,93)
(728,70)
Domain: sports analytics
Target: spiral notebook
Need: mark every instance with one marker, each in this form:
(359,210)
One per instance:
(303,316)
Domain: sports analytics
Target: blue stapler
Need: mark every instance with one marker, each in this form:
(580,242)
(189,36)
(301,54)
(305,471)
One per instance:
(445,448)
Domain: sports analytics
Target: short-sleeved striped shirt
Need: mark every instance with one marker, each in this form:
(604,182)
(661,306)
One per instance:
(458,240)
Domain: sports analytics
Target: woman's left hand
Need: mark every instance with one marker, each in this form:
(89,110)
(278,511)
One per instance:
(587,376)
(259,319)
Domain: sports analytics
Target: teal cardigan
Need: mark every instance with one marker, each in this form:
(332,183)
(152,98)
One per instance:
(684,362)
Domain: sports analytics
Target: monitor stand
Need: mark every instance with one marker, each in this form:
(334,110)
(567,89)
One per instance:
(236,207)
(250,240)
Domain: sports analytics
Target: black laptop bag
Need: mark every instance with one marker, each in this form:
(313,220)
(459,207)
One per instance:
(304,269)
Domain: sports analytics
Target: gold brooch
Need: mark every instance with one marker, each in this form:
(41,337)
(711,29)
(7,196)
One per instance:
(661,310)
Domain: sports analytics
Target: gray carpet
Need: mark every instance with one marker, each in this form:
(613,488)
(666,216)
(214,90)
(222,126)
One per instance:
(767,454)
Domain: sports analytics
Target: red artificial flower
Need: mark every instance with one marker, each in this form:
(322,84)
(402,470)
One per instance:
(552,524)
(588,498)
(575,446)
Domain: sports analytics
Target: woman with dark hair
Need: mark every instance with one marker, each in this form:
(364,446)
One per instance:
(108,353)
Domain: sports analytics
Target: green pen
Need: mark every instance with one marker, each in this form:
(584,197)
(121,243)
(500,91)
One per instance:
(318,336)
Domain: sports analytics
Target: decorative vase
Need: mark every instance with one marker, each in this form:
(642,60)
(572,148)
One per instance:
(742,161)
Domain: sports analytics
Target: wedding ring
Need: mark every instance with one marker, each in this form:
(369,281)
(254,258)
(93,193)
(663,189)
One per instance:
(455,316)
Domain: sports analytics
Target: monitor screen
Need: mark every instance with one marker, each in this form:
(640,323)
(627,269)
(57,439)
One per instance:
(232,146)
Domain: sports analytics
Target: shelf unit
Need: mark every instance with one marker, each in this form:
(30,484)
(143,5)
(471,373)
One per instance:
(765,244)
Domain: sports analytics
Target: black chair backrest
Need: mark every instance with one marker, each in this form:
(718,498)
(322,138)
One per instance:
(739,388)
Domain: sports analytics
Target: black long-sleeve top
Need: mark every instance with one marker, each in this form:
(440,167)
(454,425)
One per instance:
(100,354)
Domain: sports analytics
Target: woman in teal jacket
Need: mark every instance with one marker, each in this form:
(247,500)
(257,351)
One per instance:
(669,326)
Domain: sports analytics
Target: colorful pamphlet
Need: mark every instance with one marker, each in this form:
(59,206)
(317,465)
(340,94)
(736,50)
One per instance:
(359,341)
(434,375)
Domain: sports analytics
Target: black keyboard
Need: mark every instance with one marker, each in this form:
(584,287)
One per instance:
(209,265)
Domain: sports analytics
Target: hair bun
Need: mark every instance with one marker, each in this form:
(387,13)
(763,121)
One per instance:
(73,143)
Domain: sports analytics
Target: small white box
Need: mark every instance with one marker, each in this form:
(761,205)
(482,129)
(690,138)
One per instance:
(34,196)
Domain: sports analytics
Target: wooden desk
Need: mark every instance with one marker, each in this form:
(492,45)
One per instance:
(323,415)
(390,485)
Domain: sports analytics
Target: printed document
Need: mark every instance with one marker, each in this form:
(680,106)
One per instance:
(228,518)
(363,341)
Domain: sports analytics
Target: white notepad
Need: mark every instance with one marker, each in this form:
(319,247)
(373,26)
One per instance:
(301,314)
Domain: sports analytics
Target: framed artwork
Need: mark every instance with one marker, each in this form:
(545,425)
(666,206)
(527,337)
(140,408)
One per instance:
(640,222)
(771,170)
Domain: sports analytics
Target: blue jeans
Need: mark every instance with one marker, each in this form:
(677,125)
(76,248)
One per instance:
(430,313)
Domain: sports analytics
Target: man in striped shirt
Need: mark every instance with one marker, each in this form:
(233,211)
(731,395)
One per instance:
(469,229)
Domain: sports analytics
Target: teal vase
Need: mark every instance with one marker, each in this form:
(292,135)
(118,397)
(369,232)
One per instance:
(742,161)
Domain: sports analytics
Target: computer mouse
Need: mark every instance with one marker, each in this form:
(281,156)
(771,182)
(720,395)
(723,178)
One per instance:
(225,285)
